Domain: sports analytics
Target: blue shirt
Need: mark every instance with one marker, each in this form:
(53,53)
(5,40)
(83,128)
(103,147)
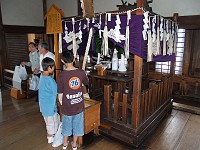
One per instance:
(47,95)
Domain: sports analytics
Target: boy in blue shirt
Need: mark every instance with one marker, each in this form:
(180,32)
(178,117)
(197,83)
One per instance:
(47,98)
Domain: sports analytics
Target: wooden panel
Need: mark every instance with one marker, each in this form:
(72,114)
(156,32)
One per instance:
(124,108)
(116,104)
(23,29)
(107,96)
(188,22)
(91,116)
(17,49)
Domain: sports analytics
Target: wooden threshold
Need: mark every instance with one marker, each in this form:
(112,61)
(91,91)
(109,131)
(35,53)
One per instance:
(186,108)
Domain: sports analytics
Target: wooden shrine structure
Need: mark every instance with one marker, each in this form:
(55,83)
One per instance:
(130,115)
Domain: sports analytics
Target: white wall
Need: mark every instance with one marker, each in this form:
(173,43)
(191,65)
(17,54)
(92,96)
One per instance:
(30,12)
(69,7)
(108,5)
(22,12)
(183,7)
(163,7)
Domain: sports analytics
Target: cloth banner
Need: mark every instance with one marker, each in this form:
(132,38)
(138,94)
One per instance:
(138,46)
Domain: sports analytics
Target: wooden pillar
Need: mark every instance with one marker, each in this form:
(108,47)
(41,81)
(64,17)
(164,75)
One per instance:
(172,66)
(57,59)
(80,13)
(3,62)
(137,81)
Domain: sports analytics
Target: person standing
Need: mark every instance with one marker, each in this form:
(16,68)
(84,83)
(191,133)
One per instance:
(44,52)
(47,98)
(34,58)
(34,63)
(70,86)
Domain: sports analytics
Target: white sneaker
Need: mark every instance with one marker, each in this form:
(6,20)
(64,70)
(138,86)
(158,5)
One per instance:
(65,147)
(74,148)
(50,139)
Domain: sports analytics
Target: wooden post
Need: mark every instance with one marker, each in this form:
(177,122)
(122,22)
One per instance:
(116,105)
(137,81)
(57,60)
(172,67)
(54,26)
(124,108)
(107,96)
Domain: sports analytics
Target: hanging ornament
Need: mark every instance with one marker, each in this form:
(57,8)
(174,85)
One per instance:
(127,43)
(158,37)
(145,25)
(74,38)
(164,39)
(105,38)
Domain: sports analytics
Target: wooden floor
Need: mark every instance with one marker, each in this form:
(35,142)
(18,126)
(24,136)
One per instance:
(22,128)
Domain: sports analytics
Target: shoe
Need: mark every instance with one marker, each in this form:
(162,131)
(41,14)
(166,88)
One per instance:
(74,148)
(65,146)
(50,139)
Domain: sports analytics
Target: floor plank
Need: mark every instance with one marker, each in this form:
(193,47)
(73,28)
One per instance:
(190,139)
(168,137)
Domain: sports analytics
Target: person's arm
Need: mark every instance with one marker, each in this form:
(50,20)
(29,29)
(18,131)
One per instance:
(60,88)
(85,79)
(60,96)
(23,63)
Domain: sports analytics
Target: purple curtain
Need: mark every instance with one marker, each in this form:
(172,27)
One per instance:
(138,46)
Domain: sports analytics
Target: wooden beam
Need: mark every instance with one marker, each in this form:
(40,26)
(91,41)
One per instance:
(23,29)
(137,81)
(2,49)
(80,13)
(188,22)
(57,59)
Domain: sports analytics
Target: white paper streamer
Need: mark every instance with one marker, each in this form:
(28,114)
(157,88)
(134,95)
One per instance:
(149,53)
(60,43)
(100,26)
(127,43)
(109,16)
(74,38)
(87,48)
(164,41)
(145,25)
(105,38)
(161,29)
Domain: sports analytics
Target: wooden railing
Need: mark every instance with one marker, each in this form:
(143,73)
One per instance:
(7,77)
(157,94)
(119,110)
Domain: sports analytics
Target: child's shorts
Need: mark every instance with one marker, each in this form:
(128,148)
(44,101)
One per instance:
(52,123)
(73,125)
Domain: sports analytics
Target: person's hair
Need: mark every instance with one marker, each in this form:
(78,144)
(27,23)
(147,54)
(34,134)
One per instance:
(44,45)
(67,56)
(32,43)
(47,62)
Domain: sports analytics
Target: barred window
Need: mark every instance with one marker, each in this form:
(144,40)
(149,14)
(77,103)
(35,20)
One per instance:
(164,67)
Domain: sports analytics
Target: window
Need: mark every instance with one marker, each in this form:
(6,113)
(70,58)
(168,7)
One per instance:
(164,67)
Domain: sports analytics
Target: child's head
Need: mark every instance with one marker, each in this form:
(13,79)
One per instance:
(67,56)
(48,64)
